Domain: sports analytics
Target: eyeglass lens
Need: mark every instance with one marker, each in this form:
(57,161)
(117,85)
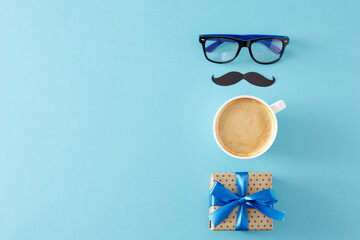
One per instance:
(221,49)
(266,50)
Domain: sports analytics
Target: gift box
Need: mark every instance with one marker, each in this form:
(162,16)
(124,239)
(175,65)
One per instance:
(251,209)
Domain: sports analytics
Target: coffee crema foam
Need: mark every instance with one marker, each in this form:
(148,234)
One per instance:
(245,127)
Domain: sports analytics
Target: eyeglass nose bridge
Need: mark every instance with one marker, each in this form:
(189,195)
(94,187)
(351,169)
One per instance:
(244,43)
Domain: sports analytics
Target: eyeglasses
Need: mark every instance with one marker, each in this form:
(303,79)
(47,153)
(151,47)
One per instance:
(224,48)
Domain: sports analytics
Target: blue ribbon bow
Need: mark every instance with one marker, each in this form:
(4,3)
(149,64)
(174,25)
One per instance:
(262,201)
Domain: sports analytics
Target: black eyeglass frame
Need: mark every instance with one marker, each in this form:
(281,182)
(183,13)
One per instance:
(243,43)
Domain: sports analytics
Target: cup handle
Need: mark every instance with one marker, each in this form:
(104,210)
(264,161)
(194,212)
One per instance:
(278,106)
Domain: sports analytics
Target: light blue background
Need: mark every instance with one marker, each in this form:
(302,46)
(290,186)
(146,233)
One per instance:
(107,109)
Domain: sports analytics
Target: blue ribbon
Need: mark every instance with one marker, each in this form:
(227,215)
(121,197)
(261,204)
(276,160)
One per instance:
(262,201)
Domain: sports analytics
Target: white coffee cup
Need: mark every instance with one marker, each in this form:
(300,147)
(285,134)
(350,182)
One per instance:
(273,109)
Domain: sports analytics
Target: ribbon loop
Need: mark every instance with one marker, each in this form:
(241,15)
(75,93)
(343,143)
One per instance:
(222,193)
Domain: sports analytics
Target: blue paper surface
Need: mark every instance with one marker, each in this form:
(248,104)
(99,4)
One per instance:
(107,109)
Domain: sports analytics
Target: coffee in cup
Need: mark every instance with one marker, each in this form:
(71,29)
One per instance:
(245,127)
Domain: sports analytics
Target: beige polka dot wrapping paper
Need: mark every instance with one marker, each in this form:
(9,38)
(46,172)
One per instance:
(256,182)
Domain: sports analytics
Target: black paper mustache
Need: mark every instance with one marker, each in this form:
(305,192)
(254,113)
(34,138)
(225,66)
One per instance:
(235,77)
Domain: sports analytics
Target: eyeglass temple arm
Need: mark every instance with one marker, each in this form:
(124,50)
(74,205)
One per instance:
(220,41)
